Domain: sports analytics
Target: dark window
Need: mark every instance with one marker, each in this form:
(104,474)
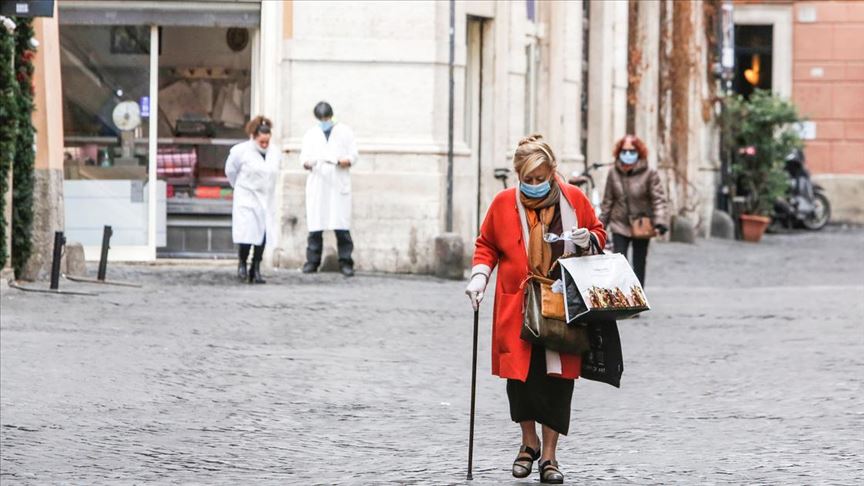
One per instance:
(753,58)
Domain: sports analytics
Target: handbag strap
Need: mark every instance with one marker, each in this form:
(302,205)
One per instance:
(537,278)
(626,198)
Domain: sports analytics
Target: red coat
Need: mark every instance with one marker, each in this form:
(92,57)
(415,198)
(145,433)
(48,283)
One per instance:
(501,243)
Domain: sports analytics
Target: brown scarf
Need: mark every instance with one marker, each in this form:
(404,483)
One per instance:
(539,213)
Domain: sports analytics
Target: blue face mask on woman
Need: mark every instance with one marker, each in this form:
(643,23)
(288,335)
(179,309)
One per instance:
(326,125)
(628,157)
(535,191)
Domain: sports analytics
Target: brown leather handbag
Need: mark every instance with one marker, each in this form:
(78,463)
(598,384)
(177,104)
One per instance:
(553,334)
(551,304)
(641,227)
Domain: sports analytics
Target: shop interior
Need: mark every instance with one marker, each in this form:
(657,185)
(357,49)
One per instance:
(204,100)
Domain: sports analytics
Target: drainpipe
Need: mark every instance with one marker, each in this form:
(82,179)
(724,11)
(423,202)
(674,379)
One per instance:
(726,70)
(449,215)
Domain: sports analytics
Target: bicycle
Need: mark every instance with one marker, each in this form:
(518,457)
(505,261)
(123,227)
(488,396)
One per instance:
(584,180)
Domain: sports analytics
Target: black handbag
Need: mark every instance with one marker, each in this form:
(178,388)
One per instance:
(552,334)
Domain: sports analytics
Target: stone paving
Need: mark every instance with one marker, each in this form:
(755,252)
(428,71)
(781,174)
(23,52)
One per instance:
(749,370)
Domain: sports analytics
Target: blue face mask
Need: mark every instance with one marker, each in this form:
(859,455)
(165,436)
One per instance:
(326,125)
(535,191)
(628,157)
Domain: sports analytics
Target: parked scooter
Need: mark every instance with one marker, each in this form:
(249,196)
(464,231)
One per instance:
(805,203)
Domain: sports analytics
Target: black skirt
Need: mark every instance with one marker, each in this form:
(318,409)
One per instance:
(541,398)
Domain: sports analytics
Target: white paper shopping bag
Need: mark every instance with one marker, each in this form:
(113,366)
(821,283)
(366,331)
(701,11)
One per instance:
(601,287)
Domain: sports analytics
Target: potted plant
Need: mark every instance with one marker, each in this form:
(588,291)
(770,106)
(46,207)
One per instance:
(762,131)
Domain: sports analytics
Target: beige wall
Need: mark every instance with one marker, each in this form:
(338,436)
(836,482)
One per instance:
(390,84)
(47,117)
(48,208)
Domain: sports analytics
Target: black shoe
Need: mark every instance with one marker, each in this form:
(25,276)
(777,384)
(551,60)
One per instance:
(550,474)
(242,273)
(310,267)
(255,274)
(347,270)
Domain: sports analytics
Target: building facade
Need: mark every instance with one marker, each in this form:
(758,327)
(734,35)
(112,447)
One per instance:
(816,50)
(153,94)
(557,68)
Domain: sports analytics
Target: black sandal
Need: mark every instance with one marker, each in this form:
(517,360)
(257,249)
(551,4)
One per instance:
(550,474)
(523,463)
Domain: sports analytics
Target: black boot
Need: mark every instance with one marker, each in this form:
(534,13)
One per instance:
(347,270)
(255,274)
(242,273)
(314,250)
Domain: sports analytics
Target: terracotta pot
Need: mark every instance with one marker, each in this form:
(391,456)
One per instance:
(753,227)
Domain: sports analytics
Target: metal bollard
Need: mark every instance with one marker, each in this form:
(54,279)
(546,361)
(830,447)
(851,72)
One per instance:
(59,241)
(103,258)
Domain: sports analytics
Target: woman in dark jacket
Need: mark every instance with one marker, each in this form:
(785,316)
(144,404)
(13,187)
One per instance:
(633,190)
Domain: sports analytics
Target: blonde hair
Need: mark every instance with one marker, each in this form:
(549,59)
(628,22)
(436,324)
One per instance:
(531,153)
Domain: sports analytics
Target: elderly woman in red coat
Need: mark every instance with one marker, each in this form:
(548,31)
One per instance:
(539,381)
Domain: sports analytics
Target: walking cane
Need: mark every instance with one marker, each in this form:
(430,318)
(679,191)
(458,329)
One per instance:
(473,395)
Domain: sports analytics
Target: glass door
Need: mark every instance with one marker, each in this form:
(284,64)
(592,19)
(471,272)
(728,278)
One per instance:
(109,121)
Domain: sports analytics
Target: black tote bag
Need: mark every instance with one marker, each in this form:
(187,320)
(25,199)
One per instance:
(604,361)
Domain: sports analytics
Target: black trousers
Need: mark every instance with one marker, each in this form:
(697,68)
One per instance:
(256,255)
(640,253)
(315,247)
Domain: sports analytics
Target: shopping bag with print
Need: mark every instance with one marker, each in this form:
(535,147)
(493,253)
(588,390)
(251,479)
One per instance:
(600,288)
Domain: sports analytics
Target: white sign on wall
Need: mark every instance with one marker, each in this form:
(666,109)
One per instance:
(807,130)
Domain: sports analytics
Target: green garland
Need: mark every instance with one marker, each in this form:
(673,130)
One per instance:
(8,127)
(25,151)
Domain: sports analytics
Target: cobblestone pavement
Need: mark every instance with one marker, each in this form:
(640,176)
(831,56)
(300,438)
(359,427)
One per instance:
(749,370)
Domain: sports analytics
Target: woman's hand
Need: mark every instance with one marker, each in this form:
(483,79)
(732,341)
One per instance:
(309,165)
(344,163)
(476,289)
(580,237)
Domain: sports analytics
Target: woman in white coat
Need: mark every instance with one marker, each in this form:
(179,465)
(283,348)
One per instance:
(328,153)
(252,168)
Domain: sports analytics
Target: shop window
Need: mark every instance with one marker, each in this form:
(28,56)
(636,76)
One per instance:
(753,58)
(106,83)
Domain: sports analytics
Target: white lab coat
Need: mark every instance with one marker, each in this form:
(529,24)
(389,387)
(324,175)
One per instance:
(253,178)
(328,186)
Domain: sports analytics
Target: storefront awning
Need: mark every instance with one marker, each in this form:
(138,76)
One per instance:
(212,13)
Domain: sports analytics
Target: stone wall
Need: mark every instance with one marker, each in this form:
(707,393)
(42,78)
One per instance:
(48,217)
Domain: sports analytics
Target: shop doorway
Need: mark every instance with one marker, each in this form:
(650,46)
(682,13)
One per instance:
(204,102)
(754,59)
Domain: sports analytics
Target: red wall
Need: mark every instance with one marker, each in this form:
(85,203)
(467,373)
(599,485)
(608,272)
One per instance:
(833,43)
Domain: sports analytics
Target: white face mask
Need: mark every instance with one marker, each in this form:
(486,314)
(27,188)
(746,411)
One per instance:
(261,150)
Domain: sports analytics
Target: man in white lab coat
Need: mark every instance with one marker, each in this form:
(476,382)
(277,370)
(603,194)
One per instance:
(328,153)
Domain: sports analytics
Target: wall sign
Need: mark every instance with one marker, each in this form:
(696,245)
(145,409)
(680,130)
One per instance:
(27,8)
(144,105)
